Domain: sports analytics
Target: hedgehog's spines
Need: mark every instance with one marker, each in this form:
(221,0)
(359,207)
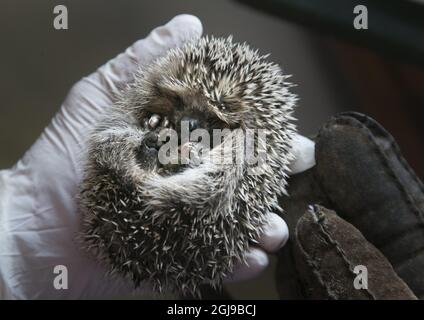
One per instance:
(182,230)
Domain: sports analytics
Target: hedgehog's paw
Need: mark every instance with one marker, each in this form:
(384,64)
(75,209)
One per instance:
(155,122)
(147,153)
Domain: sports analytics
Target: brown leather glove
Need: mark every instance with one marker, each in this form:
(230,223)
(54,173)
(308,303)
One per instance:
(360,174)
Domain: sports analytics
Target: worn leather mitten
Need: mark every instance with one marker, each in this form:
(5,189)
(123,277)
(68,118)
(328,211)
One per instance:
(327,252)
(373,187)
(361,174)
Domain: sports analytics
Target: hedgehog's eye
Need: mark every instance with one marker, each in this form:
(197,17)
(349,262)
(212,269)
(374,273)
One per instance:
(177,102)
(222,106)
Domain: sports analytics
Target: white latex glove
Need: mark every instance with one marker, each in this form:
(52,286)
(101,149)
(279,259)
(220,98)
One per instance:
(38,210)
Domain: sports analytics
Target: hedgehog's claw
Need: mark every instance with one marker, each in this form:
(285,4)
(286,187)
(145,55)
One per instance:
(154,121)
(166,122)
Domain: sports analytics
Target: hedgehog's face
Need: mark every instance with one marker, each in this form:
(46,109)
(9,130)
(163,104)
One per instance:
(212,84)
(178,105)
(197,121)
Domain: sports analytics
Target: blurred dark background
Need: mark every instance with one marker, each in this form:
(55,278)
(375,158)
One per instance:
(335,67)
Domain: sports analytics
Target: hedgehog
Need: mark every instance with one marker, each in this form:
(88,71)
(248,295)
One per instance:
(177,227)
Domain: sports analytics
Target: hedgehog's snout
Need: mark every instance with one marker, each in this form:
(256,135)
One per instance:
(192,122)
(186,125)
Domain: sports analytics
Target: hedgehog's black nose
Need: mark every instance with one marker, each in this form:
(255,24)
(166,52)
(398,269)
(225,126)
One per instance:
(193,123)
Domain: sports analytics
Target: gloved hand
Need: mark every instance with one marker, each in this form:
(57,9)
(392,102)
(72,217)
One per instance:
(38,207)
(360,173)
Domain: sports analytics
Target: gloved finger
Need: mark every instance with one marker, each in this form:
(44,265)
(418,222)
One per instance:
(118,71)
(275,235)
(303,150)
(256,261)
